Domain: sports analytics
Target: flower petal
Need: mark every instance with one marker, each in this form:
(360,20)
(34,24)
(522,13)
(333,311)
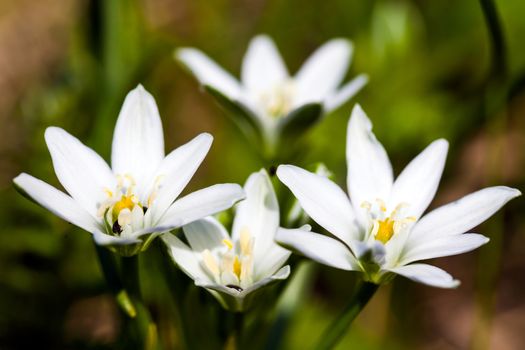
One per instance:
(427,274)
(262,66)
(345,93)
(202,203)
(138,140)
(82,172)
(175,172)
(322,200)
(204,234)
(185,258)
(324,70)
(444,246)
(208,72)
(369,171)
(418,182)
(108,240)
(274,259)
(323,249)
(282,274)
(462,215)
(56,201)
(258,213)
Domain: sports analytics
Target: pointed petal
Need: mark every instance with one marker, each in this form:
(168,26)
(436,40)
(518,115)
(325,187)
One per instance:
(262,66)
(258,213)
(204,234)
(345,93)
(418,182)
(369,171)
(175,172)
(322,200)
(208,72)
(323,249)
(444,246)
(56,201)
(272,261)
(138,140)
(324,70)
(202,203)
(185,257)
(280,275)
(82,172)
(427,274)
(462,215)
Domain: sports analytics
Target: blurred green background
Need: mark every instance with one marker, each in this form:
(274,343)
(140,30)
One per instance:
(434,72)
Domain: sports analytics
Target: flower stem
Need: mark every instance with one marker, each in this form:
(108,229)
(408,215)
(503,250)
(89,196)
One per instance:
(337,329)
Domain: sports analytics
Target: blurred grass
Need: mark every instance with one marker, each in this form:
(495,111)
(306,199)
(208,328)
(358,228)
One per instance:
(428,63)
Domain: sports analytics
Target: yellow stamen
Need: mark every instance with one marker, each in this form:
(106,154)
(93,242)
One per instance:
(228,243)
(237,267)
(385,230)
(126,202)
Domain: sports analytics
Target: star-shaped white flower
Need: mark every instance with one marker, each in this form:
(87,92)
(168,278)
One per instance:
(233,267)
(378,228)
(268,95)
(130,203)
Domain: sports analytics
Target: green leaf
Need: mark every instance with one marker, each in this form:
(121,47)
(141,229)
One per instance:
(298,121)
(239,113)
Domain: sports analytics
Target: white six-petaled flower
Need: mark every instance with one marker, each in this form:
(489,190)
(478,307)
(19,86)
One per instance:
(233,267)
(379,228)
(135,198)
(266,88)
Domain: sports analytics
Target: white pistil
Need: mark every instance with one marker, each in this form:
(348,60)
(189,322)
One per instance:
(278,101)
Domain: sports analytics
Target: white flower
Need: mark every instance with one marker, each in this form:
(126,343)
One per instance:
(267,91)
(378,228)
(134,199)
(233,267)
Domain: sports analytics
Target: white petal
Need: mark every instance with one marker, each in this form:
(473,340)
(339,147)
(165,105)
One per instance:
(418,182)
(175,172)
(427,274)
(282,274)
(185,258)
(369,171)
(444,246)
(320,248)
(324,70)
(322,200)
(258,213)
(462,215)
(272,261)
(208,72)
(202,203)
(56,201)
(345,93)
(262,66)
(105,239)
(138,140)
(204,234)
(82,172)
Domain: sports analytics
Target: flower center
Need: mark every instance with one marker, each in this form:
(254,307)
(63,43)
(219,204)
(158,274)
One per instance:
(382,226)
(122,211)
(278,100)
(232,264)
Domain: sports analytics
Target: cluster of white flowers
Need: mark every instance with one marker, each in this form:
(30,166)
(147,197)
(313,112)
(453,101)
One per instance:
(378,228)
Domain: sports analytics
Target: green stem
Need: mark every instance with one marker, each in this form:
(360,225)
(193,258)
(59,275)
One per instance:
(339,327)
(238,324)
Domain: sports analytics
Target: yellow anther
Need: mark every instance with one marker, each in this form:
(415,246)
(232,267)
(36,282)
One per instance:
(108,192)
(382,205)
(228,243)
(237,267)
(385,230)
